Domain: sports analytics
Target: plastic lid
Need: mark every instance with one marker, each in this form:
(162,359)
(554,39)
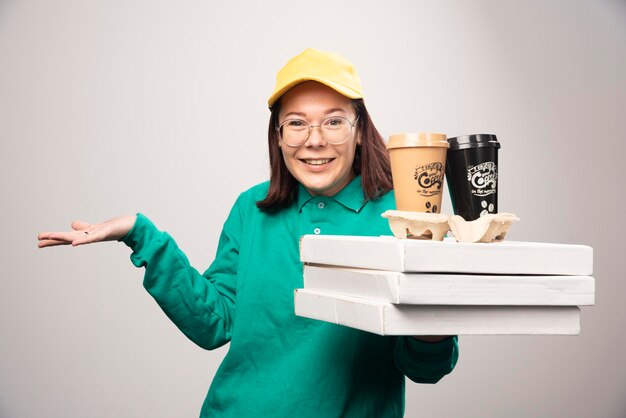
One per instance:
(419,139)
(473,141)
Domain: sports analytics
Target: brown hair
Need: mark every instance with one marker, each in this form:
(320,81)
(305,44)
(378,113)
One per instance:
(371,161)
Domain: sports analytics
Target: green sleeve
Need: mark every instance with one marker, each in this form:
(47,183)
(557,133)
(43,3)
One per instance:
(201,305)
(425,362)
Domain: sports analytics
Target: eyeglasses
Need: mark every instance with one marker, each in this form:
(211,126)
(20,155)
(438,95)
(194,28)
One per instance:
(335,130)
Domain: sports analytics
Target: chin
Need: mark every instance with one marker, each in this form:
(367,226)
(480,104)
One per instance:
(322,186)
(316,187)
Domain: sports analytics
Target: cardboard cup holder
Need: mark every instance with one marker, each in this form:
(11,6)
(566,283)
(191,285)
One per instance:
(417,225)
(488,228)
(435,226)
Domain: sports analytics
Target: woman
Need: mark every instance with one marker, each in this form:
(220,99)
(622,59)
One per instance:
(329,175)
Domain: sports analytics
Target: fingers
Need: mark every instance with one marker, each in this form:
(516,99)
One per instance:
(50,239)
(43,235)
(86,233)
(50,243)
(60,236)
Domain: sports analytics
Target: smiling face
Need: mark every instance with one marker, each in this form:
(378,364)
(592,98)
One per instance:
(322,168)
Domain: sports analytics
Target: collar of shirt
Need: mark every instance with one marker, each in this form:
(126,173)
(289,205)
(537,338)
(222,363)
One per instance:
(350,196)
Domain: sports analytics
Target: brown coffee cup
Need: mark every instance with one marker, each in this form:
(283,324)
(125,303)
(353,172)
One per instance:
(418,164)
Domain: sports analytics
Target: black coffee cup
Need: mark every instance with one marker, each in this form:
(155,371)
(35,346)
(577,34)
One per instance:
(472,175)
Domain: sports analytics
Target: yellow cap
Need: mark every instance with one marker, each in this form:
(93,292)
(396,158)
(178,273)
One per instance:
(327,68)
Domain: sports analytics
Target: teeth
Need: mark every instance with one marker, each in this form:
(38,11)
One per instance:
(317,162)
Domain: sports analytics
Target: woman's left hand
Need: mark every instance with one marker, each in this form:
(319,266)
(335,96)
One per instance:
(431,338)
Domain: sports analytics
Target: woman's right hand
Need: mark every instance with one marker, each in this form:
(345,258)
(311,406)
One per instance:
(86,233)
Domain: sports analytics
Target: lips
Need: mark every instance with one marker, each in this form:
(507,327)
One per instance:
(316,161)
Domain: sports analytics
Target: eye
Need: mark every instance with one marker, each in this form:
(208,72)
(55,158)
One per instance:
(295,124)
(335,122)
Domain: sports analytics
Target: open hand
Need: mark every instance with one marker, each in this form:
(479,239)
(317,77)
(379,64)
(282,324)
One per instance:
(86,233)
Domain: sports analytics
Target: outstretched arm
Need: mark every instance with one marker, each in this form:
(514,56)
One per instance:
(201,306)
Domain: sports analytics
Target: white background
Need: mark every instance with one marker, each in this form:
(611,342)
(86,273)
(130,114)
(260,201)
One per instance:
(114,107)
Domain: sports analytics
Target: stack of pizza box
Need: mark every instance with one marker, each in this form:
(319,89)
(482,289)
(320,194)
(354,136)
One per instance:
(393,286)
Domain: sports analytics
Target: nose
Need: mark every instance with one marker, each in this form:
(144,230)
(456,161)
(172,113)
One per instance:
(315,137)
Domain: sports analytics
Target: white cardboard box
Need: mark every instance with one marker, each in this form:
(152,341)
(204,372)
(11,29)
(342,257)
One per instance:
(450,289)
(448,256)
(389,319)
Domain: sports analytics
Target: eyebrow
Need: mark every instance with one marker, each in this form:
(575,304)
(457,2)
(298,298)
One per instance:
(329,111)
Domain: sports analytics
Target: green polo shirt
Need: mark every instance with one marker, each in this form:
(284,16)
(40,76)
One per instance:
(278,364)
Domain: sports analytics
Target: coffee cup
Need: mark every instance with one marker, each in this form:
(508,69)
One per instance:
(418,162)
(472,175)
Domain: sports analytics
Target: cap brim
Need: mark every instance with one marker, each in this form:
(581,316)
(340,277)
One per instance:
(345,91)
